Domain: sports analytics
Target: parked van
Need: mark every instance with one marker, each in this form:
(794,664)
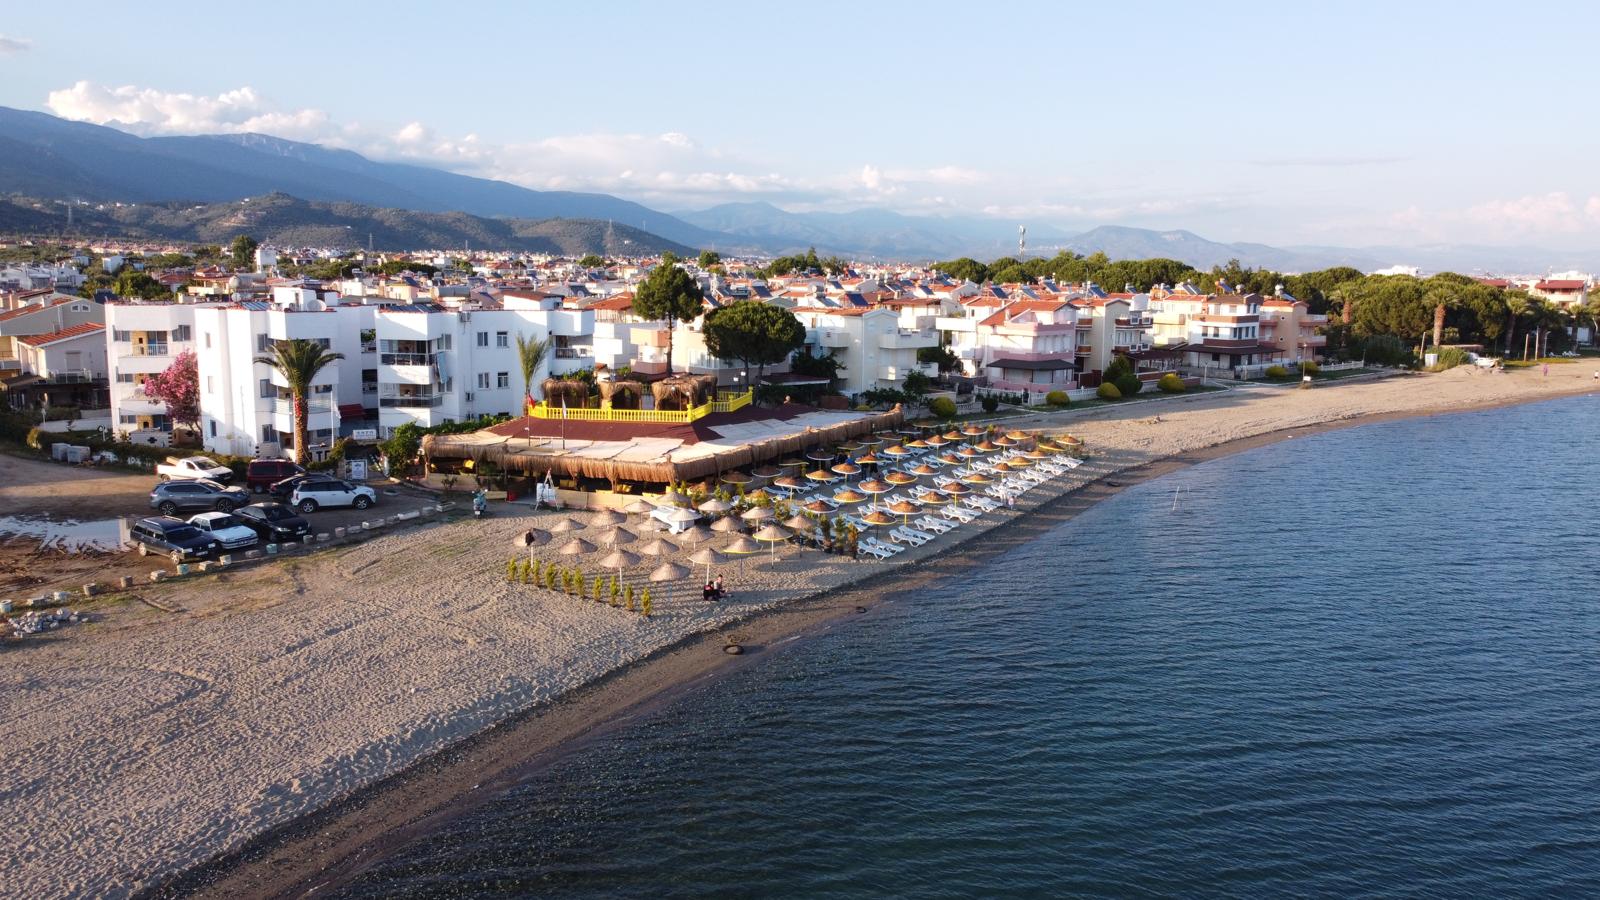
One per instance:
(262,473)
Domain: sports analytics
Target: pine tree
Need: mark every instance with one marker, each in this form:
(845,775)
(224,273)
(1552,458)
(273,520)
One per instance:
(644,603)
(629,593)
(511,569)
(597,588)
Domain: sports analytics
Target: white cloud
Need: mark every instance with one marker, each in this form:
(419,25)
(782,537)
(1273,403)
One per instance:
(1556,212)
(10,45)
(149,111)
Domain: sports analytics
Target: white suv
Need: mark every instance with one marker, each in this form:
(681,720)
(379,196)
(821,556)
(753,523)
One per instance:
(313,495)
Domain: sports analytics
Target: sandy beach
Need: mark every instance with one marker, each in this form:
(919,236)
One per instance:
(147,746)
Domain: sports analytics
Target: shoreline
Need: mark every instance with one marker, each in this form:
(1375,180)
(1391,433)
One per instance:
(336,843)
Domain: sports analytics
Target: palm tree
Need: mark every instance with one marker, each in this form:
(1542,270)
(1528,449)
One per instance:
(531,354)
(299,361)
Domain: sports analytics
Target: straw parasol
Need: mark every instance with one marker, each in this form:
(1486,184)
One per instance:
(967,453)
(672,498)
(565,524)
(768,471)
(736,478)
(878,517)
(924,469)
(952,435)
(772,536)
(800,522)
(792,463)
(874,487)
(820,454)
(918,445)
(901,478)
(909,430)
(757,494)
(819,506)
(904,508)
(533,537)
(697,534)
(896,450)
(847,469)
(639,507)
(867,459)
(849,496)
(973,431)
(790,482)
(715,506)
(977,478)
(576,547)
(757,514)
(1036,454)
(1003,441)
(616,537)
(986,447)
(670,572)
(659,547)
(932,497)
(726,524)
(708,557)
(742,546)
(937,440)
(822,475)
(619,560)
(606,518)
(1018,435)
(849,447)
(683,516)
(869,440)
(1020,462)
(955,489)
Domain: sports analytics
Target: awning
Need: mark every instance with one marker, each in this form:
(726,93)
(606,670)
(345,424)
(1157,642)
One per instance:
(1037,365)
(352,411)
(794,378)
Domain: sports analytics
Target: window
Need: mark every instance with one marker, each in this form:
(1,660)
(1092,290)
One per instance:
(483,381)
(208,340)
(442,342)
(322,389)
(502,379)
(483,339)
(268,392)
(502,339)
(124,378)
(211,388)
(269,435)
(263,344)
(118,334)
(213,427)
(181,333)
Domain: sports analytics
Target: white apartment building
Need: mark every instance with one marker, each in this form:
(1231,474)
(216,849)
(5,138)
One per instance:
(877,352)
(143,339)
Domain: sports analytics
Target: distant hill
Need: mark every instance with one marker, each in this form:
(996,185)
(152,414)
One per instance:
(1119,242)
(292,222)
(45,156)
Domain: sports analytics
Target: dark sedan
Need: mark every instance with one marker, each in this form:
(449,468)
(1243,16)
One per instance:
(274,521)
(280,490)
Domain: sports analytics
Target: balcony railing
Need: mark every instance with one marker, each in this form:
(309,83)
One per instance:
(725,402)
(416,401)
(406,359)
(149,350)
(284,406)
(573,352)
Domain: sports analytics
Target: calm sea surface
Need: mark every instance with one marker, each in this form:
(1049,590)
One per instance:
(1360,663)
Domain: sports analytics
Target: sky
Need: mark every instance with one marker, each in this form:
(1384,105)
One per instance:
(1352,123)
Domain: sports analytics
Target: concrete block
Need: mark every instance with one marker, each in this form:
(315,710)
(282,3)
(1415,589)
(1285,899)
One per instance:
(60,596)
(272,549)
(158,575)
(323,538)
(125,582)
(225,559)
(7,606)
(339,532)
(252,554)
(183,568)
(89,590)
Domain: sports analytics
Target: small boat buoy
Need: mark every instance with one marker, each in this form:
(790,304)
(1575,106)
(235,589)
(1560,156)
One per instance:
(733,649)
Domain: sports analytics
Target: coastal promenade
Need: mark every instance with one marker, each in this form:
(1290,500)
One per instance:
(155,743)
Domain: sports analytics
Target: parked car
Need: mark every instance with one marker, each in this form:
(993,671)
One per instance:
(263,473)
(313,495)
(273,521)
(193,467)
(280,490)
(171,536)
(226,528)
(172,497)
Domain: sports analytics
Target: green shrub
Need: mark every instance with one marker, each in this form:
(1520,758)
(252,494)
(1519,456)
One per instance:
(1277,372)
(1170,383)
(990,403)
(1450,357)
(1058,398)
(1108,391)
(1309,367)
(1129,384)
(943,407)
(1119,367)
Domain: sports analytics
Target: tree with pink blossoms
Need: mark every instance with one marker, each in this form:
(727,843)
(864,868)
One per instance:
(179,388)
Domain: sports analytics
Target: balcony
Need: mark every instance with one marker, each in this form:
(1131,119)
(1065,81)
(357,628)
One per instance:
(284,406)
(407,359)
(414,401)
(572,353)
(149,350)
(1313,321)
(832,337)
(907,339)
(955,323)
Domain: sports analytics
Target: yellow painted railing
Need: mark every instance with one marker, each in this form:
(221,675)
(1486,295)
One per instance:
(725,402)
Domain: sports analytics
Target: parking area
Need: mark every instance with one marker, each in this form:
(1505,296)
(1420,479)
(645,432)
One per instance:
(60,524)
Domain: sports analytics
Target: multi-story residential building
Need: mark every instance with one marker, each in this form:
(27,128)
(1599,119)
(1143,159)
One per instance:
(1564,292)
(1227,334)
(63,368)
(877,353)
(143,339)
(42,311)
(1111,326)
(1022,345)
(1288,324)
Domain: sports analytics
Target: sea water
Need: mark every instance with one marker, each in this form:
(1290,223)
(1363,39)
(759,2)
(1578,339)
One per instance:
(1364,662)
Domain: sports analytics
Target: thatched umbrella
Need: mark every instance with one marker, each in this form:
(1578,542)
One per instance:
(820,454)
(659,547)
(670,572)
(742,546)
(953,458)
(868,459)
(822,476)
(932,497)
(847,469)
(955,489)
(952,435)
(870,440)
(848,447)
(792,463)
(924,469)
(973,431)
(767,471)
(1018,435)
(619,559)
(849,496)
(672,498)
(565,524)
(616,537)
(937,440)
(708,557)
(819,506)
(789,482)
(986,447)
(901,478)
(715,506)
(605,518)
(800,522)
(756,495)
(772,536)
(977,478)
(874,487)
(696,535)
(576,547)
(757,514)
(640,507)
(917,445)
(533,537)
(736,478)
(968,453)
(1003,441)
(1036,454)
(897,450)
(904,508)
(726,524)
(878,517)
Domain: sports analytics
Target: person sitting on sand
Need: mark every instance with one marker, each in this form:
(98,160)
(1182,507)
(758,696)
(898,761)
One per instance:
(706,593)
(717,593)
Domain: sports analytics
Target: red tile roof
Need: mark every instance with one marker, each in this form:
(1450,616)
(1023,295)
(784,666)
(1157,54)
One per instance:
(39,340)
(1563,284)
(33,308)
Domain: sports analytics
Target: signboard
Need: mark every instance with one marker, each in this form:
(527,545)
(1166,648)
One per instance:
(364,434)
(358,469)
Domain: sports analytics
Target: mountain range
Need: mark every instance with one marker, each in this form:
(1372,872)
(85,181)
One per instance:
(287,221)
(45,156)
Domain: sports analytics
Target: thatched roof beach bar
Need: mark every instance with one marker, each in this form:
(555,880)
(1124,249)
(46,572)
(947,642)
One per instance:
(652,453)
